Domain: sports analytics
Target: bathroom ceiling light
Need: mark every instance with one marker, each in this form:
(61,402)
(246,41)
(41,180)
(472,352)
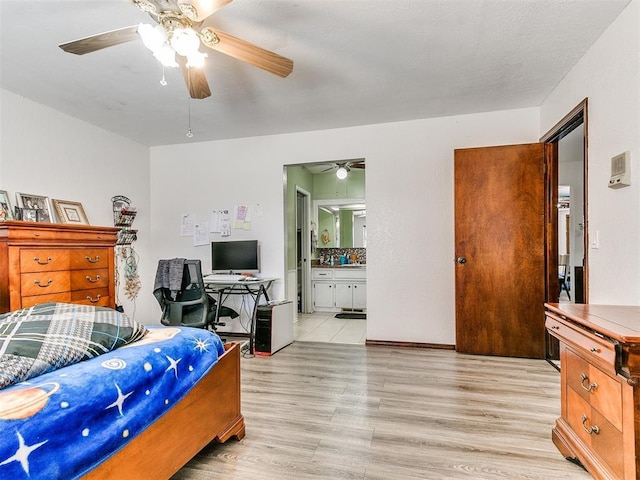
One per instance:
(342,172)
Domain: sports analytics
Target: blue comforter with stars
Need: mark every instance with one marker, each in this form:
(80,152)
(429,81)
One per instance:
(62,424)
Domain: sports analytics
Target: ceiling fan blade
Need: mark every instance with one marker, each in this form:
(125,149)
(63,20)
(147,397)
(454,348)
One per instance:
(246,52)
(198,11)
(357,165)
(101,40)
(195,79)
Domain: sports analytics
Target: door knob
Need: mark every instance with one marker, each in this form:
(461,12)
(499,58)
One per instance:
(461,260)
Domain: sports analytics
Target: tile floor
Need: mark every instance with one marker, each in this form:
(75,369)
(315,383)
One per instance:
(324,327)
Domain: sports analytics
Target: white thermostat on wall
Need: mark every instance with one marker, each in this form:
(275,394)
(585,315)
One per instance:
(620,171)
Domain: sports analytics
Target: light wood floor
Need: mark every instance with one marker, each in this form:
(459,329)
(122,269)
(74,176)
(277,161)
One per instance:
(330,411)
(324,327)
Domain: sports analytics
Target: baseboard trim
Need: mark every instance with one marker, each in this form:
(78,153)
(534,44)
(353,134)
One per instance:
(388,343)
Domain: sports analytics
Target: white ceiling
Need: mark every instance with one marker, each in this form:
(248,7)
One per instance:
(356,62)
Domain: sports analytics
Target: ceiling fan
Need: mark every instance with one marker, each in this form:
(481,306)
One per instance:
(343,168)
(175,40)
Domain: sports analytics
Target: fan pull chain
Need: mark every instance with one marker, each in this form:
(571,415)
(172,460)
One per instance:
(163,82)
(189,133)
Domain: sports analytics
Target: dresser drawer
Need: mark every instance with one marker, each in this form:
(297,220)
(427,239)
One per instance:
(62,297)
(90,278)
(596,432)
(596,387)
(43,260)
(592,347)
(89,258)
(97,296)
(44,283)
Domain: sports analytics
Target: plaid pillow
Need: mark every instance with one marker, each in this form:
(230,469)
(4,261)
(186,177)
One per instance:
(46,337)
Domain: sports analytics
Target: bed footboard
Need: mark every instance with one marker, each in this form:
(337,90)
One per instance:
(210,411)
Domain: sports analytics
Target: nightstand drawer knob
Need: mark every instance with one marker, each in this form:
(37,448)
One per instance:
(93,280)
(92,260)
(46,262)
(49,282)
(590,430)
(94,300)
(584,381)
(594,350)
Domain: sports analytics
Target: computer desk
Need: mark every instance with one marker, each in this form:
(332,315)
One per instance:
(257,288)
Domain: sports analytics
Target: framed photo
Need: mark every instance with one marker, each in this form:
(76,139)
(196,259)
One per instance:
(30,214)
(70,212)
(6,212)
(36,202)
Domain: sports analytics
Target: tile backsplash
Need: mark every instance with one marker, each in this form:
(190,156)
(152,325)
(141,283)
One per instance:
(323,255)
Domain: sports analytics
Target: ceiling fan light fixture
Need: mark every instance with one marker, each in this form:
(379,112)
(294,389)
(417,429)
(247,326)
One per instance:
(196,59)
(166,56)
(155,39)
(152,37)
(185,41)
(342,172)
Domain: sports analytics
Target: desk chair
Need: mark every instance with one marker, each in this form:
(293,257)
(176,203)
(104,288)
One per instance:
(563,274)
(190,306)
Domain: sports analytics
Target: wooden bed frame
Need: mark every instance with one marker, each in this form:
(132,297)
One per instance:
(210,411)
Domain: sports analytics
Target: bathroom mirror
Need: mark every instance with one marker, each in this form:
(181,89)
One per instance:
(341,223)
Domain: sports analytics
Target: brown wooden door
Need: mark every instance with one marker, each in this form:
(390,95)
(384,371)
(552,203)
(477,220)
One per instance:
(500,250)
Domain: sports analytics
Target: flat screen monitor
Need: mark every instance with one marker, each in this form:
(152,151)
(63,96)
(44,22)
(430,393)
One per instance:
(235,257)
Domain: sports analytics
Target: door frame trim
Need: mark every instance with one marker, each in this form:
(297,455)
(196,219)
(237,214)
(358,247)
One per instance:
(578,115)
(306,299)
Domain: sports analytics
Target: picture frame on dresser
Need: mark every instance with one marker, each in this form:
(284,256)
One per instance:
(29,214)
(36,202)
(6,212)
(70,212)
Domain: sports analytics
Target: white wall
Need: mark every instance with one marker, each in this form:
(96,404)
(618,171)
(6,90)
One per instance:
(608,75)
(47,153)
(409,183)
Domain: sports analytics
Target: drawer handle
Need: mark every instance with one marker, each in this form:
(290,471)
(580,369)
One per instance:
(37,282)
(37,260)
(590,430)
(91,260)
(94,300)
(555,327)
(92,280)
(590,386)
(594,350)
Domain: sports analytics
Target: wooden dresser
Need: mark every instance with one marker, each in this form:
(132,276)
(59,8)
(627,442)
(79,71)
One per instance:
(48,262)
(600,400)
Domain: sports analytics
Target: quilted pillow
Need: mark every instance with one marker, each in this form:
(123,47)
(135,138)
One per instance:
(46,337)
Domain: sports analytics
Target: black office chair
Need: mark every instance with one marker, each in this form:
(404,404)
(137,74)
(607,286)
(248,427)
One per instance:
(190,306)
